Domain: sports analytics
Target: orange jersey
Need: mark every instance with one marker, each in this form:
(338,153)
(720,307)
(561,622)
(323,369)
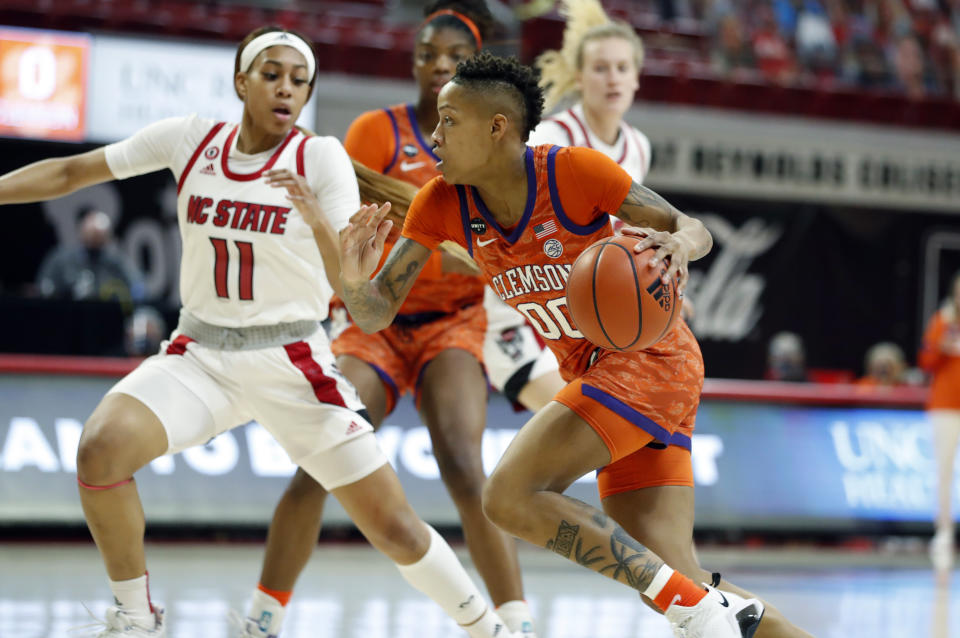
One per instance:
(943,366)
(390,141)
(571,192)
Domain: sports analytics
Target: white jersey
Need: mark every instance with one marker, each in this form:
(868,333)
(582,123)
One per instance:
(248,256)
(631,150)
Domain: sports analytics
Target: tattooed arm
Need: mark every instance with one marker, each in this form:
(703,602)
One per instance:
(678,237)
(372,304)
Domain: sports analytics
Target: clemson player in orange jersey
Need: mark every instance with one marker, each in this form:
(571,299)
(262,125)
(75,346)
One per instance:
(433,348)
(525,215)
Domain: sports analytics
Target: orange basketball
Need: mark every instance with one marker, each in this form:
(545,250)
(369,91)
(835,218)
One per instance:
(616,300)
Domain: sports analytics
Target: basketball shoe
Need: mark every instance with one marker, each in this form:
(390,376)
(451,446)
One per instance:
(717,615)
(118,623)
(250,628)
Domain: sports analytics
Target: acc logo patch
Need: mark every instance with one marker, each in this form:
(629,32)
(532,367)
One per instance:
(211,152)
(552,248)
(409,150)
(478,226)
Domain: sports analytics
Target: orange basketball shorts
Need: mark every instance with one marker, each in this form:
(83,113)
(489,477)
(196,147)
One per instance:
(401,352)
(635,399)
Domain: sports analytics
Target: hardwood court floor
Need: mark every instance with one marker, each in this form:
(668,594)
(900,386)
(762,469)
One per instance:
(349,591)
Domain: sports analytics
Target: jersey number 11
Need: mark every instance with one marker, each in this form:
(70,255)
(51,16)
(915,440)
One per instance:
(221,265)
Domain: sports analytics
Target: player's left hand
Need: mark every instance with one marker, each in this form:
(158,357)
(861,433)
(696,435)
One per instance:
(672,248)
(298,192)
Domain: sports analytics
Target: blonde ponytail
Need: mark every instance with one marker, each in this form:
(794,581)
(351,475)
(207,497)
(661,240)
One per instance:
(585,20)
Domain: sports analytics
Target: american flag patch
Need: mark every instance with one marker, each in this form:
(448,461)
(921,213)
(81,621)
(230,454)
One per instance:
(546,228)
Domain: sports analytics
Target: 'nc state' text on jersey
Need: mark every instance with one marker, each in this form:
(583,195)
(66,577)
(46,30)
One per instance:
(523,280)
(259,218)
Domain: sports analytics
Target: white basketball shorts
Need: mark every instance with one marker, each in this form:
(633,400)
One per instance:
(295,391)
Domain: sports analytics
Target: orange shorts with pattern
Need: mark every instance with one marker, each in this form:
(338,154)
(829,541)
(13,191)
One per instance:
(633,399)
(400,352)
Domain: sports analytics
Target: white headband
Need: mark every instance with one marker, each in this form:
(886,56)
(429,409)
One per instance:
(272,39)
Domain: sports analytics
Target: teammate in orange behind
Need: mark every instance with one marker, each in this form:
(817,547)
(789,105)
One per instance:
(525,214)
(433,348)
(940,357)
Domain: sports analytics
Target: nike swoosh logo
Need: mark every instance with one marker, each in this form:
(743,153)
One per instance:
(482,243)
(409,166)
(724,603)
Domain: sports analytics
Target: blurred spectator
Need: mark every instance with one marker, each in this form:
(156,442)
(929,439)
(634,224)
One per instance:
(773,55)
(144,331)
(940,356)
(93,269)
(732,53)
(884,366)
(786,360)
(909,67)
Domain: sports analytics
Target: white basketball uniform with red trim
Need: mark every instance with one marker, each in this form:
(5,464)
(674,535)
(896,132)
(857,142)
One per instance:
(250,262)
(510,344)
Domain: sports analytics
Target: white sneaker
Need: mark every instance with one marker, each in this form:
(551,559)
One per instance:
(941,550)
(247,627)
(118,623)
(717,615)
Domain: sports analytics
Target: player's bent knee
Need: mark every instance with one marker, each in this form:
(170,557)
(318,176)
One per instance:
(103,455)
(402,536)
(463,477)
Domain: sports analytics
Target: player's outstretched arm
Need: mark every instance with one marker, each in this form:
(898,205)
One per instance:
(678,237)
(52,178)
(373,304)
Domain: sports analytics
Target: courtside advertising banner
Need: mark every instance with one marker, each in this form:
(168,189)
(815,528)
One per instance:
(43,84)
(137,81)
(757,464)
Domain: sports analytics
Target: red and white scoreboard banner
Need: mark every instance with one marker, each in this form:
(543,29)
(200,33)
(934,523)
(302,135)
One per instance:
(43,84)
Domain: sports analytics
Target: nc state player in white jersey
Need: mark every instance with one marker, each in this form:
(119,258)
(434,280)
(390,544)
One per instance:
(255,202)
(598,66)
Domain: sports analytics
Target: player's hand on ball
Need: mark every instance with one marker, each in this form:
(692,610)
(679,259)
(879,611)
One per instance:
(361,242)
(298,192)
(672,248)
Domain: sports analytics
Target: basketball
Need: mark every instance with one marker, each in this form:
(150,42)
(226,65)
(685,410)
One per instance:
(617,300)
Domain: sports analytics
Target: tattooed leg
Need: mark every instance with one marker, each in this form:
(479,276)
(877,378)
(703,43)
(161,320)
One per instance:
(591,539)
(524,496)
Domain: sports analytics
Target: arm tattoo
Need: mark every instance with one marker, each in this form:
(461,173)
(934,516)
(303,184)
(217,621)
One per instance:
(372,305)
(365,309)
(646,209)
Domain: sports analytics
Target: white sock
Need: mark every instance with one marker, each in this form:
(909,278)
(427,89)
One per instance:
(440,576)
(516,614)
(658,583)
(266,611)
(133,597)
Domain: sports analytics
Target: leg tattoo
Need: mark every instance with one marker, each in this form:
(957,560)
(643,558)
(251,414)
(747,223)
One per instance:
(627,560)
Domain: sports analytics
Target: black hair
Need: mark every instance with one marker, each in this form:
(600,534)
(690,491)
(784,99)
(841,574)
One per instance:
(487,72)
(476,10)
(270,29)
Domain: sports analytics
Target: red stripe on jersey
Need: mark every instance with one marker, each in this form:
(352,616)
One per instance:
(246,177)
(586,136)
(565,128)
(179,345)
(220,263)
(301,165)
(623,131)
(196,153)
(324,387)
